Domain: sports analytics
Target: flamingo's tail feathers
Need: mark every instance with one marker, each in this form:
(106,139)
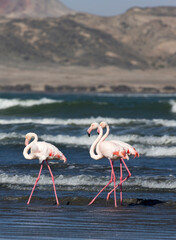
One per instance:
(63,158)
(136,153)
(117,153)
(121,154)
(57,156)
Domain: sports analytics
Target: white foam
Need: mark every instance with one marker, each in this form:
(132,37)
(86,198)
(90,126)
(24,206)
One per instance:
(9,135)
(58,139)
(146,146)
(88,180)
(156,151)
(69,140)
(164,122)
(8,103)
(137,141)
(52,121)
(173,105)
(88,121)
(146,140)
(154,182)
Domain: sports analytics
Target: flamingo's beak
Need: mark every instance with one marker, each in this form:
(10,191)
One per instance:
(89,131)
(26,142)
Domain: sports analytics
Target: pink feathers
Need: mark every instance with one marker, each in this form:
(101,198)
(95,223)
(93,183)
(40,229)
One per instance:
(113,150)
(42,151)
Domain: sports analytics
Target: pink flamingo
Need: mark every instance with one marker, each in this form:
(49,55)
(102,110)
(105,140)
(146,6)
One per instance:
(129,150)
(110,150)
(43,151)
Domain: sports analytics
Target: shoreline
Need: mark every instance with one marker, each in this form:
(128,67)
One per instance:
(66,89)
(76,79)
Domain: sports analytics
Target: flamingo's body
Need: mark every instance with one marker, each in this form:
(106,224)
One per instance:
(42,151)
(128,148)
(112,150)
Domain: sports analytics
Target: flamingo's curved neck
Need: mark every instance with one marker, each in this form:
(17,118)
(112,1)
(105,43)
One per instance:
(102,139)
(106,134)
(28,147)
(92,148)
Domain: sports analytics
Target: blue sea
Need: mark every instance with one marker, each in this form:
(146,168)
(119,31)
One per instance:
(147,122)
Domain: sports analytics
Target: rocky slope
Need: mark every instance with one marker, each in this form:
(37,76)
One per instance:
(32,8)
(63,41)
(142,38)
(150,32)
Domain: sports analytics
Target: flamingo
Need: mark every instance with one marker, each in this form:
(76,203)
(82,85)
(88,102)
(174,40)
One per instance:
(42,151)
(129,150)
(110,150)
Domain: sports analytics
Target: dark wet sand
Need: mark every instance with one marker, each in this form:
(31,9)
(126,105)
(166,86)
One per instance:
(73,219)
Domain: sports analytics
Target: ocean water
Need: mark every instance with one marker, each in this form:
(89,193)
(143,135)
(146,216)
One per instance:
(147,122)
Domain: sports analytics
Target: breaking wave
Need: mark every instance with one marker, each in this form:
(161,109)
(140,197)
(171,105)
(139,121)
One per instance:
(173,106)
(88,121)
(84,140)
(84,181)
(8,103)
(145,145)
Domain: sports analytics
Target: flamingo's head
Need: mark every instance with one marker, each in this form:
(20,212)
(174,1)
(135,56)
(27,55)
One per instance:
(103,124)
(62,157)
(29,136)
(93,126)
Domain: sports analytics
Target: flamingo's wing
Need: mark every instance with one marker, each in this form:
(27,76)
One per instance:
(108,149)
(44,150)
(54,153)
(129,149)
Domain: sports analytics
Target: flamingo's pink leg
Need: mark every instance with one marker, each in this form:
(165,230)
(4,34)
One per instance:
(112,176)
(35,183)
(129,175)
(121,176)
(53,182)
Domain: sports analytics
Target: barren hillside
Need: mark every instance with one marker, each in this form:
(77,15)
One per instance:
(32,8)
(139,39)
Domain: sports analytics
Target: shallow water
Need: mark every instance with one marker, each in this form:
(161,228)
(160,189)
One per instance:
(47,221)
(147,122)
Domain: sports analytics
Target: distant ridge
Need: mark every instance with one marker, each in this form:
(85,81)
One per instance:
(141,38)
(33,8)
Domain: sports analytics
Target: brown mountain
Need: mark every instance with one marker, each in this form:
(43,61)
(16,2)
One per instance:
(32,8)
(63,41)
(141,38)
(150,32)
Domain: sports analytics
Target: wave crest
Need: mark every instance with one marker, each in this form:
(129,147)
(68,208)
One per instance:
(173,106)
(8,103)
(150,146)
(81,181)
(88,121)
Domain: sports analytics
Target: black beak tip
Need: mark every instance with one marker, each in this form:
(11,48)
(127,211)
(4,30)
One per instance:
(88,134)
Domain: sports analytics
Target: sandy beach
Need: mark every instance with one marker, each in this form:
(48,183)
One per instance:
(86,79)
